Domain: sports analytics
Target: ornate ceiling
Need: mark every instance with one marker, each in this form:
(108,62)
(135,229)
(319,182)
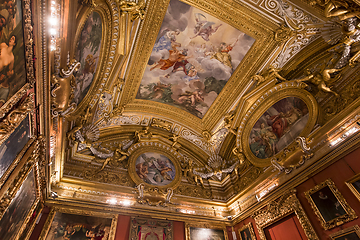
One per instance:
(195,108)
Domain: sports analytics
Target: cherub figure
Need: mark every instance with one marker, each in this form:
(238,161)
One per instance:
(320,80)
(189,174)
(118,157)
(145,133)
(336,8)
(228,118)
(267,75)
(203,28)
(83,120)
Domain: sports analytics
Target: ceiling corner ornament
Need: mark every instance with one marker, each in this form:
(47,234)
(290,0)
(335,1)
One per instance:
(154,165)
(275,116)
(154,196)
(298,30)
(280,208)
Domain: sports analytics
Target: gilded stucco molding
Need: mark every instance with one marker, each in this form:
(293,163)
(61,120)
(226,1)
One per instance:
(280,208)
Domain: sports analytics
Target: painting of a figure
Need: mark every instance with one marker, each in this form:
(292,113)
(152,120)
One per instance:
(278,127)
(155,169)
(13,145)
(76,227)
(12,59)
(18,209)
(351,233)
(206,233)
(327,204)
(87,53)
(194,56)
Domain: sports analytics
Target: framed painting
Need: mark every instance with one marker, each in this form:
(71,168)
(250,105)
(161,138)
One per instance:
(67,223)
(16,68)
(153,166)
(21,208)
(351,233)
(205,231)
(269,126)
(15,146)
(143,228)
(247,232)
(329,205)
(354,185)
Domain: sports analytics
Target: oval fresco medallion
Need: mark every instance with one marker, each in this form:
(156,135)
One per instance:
(278,127)
(155,169)
(87,53)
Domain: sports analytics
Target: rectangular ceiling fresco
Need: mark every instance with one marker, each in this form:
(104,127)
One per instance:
(194,56)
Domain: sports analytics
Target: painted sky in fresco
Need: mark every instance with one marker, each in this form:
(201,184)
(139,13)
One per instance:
(194,56)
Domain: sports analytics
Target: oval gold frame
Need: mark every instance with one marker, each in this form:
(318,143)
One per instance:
(145,147)
(257,109)
(103,11)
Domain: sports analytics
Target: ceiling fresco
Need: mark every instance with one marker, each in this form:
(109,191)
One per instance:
(194,56)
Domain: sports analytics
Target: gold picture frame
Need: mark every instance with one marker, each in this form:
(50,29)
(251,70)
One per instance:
(250,232)
(21,117)
(141,148)
(191,227)
(351,231)
(255,118)
(280,208)
(329,205)
(48,226)
(354,185)
(24,195)
(150,226)
(28,41)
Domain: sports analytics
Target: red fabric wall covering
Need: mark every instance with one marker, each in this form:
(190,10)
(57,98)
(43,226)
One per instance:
(179,230)
(123,228)
(340,172)
(38,227)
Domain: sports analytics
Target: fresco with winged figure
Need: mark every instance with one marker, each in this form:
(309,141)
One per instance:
(87,53)
(194,56)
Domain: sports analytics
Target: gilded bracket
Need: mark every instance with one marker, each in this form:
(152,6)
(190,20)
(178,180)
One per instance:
(154,196)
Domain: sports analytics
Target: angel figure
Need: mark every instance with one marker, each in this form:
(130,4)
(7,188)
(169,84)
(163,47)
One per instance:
(203,28)
(320,79)
(267,75)
(145,133)
(189,173)
(336,8)
(228,119)
(118,157)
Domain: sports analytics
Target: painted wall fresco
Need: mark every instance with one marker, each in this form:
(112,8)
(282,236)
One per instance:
(71,226)
(87,53)
(12,54)
(13,145)
(155,169)
(18,209)
(278,127)
(206,233)
(194,56)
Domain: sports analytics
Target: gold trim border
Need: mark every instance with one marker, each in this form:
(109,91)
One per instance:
(74,211)
(350,213)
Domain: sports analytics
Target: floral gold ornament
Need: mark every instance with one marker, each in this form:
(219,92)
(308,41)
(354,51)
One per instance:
(329,205)
(154,196)
(278,209)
